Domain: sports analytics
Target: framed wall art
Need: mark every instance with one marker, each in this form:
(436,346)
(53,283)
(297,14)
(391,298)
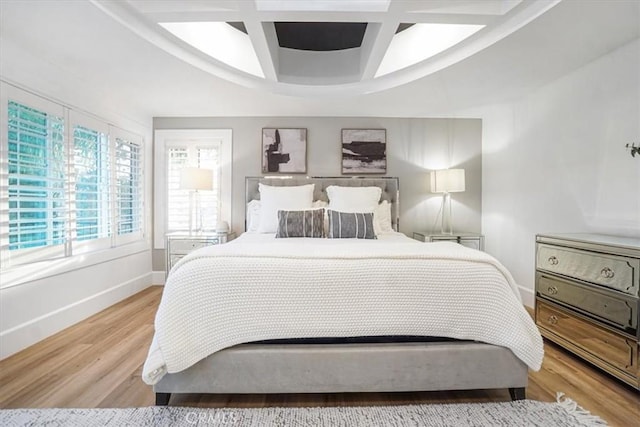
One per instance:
(284,150)
(364,151)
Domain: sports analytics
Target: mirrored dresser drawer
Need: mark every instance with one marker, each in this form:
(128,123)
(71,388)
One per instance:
(616,272)
(606,348)
(615,308)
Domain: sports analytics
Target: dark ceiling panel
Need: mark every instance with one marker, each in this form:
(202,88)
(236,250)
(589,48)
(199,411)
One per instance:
(403,26)
(238,26)
(320,36)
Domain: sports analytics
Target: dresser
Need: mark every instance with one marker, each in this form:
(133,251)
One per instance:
(470,240)
(587,299)
(180,244)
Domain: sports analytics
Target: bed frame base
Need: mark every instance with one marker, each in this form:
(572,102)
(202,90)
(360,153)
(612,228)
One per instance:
(519,393)
(349,368)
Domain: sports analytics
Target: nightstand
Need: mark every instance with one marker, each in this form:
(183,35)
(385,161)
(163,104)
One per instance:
(470,240)
(181,243)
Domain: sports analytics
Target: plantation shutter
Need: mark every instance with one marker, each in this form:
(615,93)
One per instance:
(208,158)
(128,186)
(91,184)
(36,167)
(178,206)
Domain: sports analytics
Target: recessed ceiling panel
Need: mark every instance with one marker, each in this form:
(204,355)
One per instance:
(320,36)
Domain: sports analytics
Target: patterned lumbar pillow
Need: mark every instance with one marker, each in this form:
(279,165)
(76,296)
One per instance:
(349,225)
(305,223)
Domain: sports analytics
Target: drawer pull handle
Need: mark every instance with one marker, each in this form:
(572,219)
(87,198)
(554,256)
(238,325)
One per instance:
(553,260)
(553,319)
(607,273)
(552,290)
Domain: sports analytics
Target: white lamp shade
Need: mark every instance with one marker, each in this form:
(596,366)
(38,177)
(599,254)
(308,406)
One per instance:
(447,181)
(196,179)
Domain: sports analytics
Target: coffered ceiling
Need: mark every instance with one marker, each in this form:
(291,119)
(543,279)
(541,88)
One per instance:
(323,47)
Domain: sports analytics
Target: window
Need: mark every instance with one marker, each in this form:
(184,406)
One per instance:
(203,148)
(178,206)
(73,183)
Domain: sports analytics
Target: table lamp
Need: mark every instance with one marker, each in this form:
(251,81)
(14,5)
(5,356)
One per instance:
(447,181)
(195,180)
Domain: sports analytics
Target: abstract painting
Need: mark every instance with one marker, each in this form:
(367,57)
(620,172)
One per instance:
(364,151)
(284,150)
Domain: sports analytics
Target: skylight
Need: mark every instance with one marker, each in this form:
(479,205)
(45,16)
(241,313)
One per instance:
(220,41)
(422,41)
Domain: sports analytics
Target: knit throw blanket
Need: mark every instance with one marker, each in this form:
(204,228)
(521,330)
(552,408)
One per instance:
(260,289)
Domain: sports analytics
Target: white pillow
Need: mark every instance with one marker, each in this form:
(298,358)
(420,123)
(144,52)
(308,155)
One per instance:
(253,216)
(353,199)
(273,199)
(382,218)
(253,213)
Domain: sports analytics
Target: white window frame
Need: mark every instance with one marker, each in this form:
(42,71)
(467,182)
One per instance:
(165,138)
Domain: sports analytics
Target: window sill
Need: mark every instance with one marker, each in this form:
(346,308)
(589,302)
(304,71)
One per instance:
(18,275)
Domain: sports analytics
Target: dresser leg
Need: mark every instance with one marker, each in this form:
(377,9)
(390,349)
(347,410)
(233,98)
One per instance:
(517,393)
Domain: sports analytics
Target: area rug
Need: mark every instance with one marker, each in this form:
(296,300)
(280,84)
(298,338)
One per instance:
(520,413)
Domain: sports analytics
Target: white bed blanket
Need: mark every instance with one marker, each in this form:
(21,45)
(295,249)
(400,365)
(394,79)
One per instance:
(245,290)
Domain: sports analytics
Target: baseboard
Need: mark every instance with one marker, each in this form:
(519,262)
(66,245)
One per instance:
(157,277)
(26,334)
(528,296)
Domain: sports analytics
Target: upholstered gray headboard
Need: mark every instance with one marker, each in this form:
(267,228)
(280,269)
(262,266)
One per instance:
(390,188)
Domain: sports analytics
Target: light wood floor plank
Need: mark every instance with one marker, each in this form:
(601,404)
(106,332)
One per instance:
(98,363)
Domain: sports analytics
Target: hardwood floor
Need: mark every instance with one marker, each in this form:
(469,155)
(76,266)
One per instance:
(98,363)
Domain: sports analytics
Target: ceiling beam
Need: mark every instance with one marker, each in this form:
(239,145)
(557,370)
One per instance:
(237,16)
(264,40)
(376,41)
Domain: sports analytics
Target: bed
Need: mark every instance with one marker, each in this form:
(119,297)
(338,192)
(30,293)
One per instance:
(302,315)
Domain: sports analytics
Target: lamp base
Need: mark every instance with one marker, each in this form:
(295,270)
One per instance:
(195,213)
(222,227)
(446,227)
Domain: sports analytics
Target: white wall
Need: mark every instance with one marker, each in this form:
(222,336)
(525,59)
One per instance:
(555,161)
(37,309)
(414,146)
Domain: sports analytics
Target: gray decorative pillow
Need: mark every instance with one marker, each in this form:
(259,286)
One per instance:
(306,223)
(346,225)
